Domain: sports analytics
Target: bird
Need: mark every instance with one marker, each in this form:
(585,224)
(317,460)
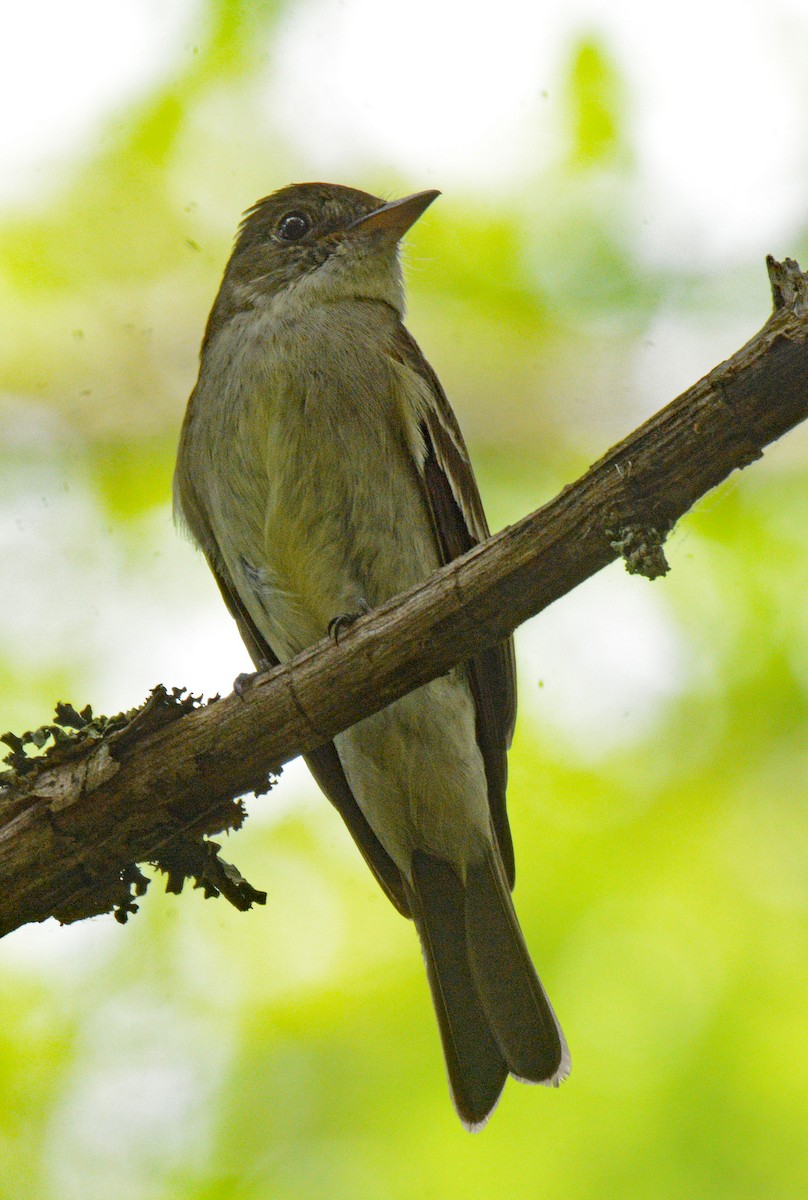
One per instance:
(321,470)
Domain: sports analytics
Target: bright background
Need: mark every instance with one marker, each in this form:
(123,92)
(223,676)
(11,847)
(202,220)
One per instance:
(613,175)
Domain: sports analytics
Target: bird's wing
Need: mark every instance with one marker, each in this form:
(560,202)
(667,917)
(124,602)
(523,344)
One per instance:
(459,523)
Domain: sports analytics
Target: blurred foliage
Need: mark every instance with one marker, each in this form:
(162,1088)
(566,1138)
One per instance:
(661,870)
(596,105)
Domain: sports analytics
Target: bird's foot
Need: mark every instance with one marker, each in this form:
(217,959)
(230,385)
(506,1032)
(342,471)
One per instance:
(343,621)
(245,681)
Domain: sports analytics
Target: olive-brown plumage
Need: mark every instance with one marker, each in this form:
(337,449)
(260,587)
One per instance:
(321,470)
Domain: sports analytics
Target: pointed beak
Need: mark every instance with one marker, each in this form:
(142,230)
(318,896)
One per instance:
(394,219)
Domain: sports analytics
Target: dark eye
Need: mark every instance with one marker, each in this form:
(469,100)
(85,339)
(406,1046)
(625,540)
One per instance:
(293,226)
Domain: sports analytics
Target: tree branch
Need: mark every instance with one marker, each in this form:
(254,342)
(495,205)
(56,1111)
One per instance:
(148,786)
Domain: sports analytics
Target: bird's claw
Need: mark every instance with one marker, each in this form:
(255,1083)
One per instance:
(244,682)
(343,621)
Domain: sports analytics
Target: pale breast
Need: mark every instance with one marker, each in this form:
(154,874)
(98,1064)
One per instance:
(317,493)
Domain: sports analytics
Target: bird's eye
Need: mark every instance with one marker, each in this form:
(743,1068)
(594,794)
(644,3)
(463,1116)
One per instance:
(293,226)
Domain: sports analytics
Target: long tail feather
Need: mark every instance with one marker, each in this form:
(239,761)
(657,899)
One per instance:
(515,1003)
(474,1062)
(493,1014)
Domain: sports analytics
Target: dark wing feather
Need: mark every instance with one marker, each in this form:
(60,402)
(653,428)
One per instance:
(323,762)
(460,523)
(326,768)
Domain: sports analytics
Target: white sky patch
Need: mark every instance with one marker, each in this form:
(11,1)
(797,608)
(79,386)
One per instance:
(66,952)
(441,91)
(720,122)
(681,347)
(64,68)
(139,1098)
(451,95)
(600,667)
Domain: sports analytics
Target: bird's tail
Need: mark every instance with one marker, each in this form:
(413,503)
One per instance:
(493,1013)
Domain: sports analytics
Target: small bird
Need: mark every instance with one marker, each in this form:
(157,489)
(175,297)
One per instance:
(321,470)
